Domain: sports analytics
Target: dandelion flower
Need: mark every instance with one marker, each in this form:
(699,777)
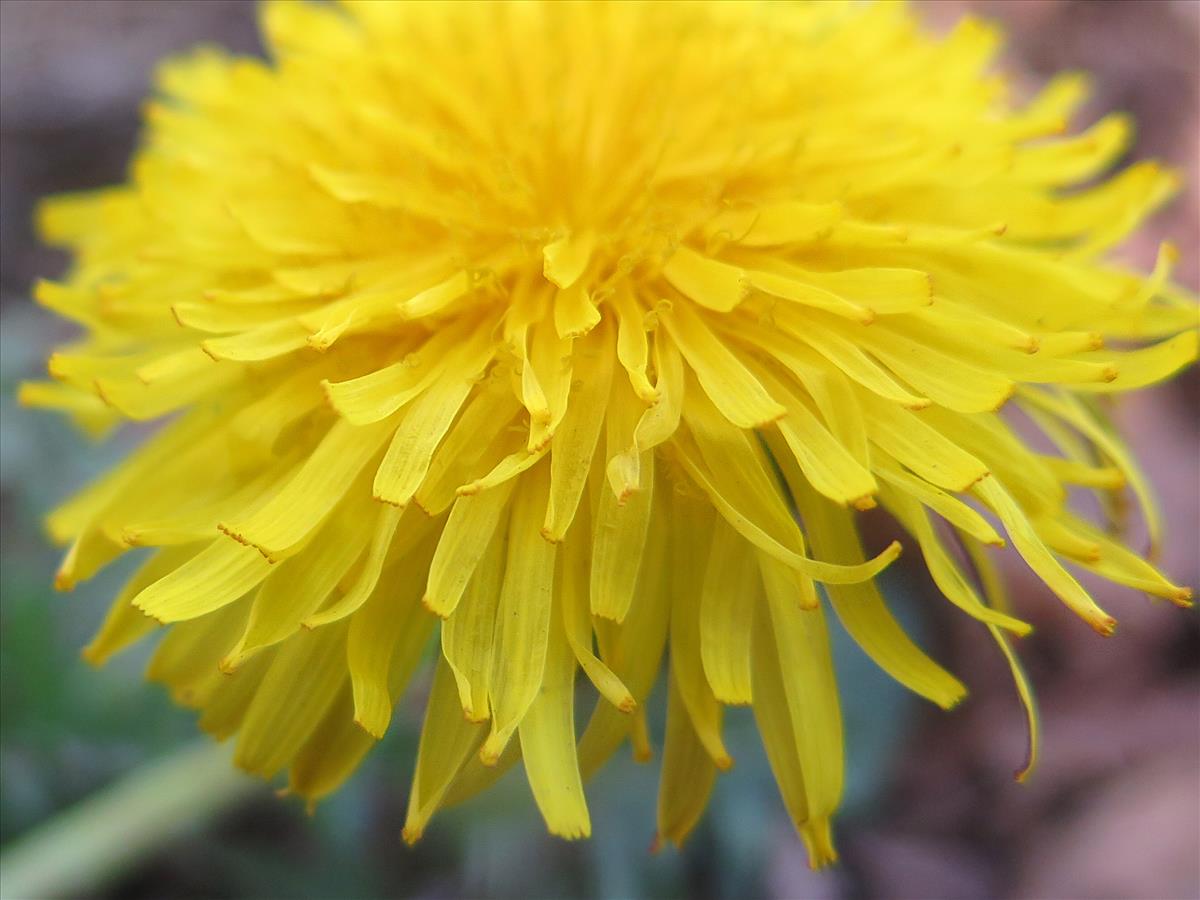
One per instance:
(574,337)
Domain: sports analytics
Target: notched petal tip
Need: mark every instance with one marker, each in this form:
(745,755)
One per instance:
(376,732)
(493,747)
(327,394)
(818,840)
(1182,597)
(774,416)
(92,656)
(952,700)
(271,556)
(1007,395)
(25,394)
(434,607)
(551,536)
(131,536)
(469,715)
(974,481)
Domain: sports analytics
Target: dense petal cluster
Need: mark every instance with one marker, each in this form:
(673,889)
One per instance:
(574,334)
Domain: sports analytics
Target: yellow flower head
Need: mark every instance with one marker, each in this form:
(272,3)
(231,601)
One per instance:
(574,333)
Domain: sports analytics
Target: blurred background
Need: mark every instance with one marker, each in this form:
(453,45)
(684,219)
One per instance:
(932,810)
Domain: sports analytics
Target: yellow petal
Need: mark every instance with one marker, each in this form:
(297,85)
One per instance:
(990,579)
(229,697)
(524,614)
(390,629)
(775,224)
(574,581)
(1149,365)
(258,344)
(619,523)
(437,298)
(125,623)
(375,396)
(331,754)
(460,457)
(1119,564)
(657,423)
(861,608)
(422,427)
(951,381)
(447,742)
(689,542)
(927,452)
(633,350)
(805,665)
(709,282)
(468,635)
(849,358)
(574,312)
(295,588)
(565,259)
(1069,410)
(547,733)
(945,505)
(830,467)
(467,534)
(733,389)
(302,683)
(1040,559)
(552,361)
(87,555)
(829,388)
(186,658)
(733,473)
(88,411)
(508,468)
(777,727)
(633,650)
(728,604)
(807,294)
(365,581)
(297,509)
(687,777)
(575,440)
(71,518)
(218,575)
(946,573)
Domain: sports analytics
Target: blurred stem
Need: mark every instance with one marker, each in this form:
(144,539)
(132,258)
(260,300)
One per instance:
(101,837)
